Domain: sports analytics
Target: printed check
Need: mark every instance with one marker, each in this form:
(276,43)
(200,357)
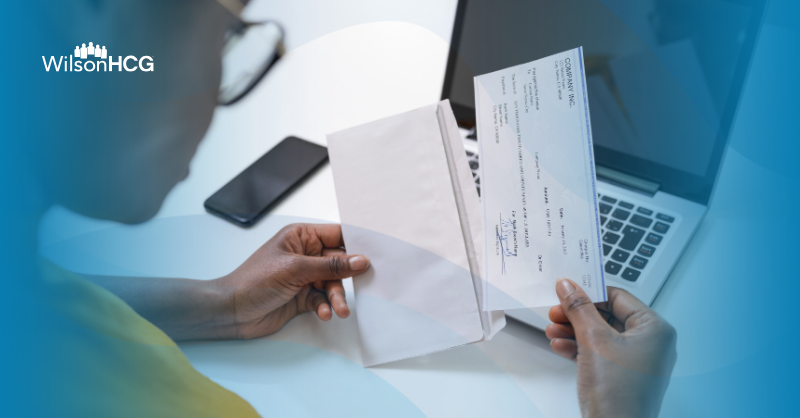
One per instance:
(538,182)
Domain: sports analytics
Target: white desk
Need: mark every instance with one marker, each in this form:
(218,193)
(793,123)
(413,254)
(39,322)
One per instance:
(332,83)
(310,368)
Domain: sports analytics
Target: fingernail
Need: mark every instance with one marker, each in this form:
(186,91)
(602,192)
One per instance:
(552,341)
(564,287)
(359,262)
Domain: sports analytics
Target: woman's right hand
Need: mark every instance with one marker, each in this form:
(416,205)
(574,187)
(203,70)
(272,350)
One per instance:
(624,350)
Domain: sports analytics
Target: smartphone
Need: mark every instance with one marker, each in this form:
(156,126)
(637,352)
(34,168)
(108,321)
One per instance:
(251,194)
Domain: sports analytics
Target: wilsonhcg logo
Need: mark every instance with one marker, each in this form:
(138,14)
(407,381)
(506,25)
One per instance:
(92,63)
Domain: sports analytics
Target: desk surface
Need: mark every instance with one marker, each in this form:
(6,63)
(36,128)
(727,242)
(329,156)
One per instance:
(345,78)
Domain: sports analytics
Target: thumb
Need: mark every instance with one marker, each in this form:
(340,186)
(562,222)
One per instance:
(578,308)
(333,267)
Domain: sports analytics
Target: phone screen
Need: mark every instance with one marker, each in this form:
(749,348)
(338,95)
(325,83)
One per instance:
(262,185)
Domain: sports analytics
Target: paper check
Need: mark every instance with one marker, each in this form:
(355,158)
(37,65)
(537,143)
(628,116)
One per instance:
(538,182)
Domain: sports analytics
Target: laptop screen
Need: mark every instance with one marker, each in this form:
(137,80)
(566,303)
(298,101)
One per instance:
(664,76)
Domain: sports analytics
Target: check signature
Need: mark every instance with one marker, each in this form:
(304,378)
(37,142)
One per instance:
(504,233)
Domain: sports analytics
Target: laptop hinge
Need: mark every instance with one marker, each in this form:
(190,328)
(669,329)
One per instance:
(627,181)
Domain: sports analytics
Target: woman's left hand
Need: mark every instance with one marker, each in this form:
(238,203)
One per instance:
(299,270)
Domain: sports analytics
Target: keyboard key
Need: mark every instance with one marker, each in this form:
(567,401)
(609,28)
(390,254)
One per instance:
(610,238)
(604,209)
(661,227)
(630,274)
(665,218)
(479,192)
(474,174)
(606,249)
(620,256)
(646,250)
(470,153)
(621,214)
(644,211)
(478,181)
(602,220)
(612,267)
(609,199)
(631,238)
(626,205)
(640,220)
(614,225)
(638,262)
(473,165)
(654,239)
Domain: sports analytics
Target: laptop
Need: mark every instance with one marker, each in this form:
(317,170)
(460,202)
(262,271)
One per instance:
(664,79)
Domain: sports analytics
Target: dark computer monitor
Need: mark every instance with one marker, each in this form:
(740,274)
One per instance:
(664,77)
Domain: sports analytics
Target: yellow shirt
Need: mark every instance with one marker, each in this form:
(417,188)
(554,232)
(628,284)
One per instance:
(121,365)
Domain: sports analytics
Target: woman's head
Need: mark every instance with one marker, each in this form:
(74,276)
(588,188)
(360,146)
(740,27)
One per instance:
(115,143)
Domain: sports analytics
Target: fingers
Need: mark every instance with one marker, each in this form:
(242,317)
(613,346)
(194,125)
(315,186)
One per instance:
(578,308)
(329,234)
(333,289)
(561,334)
(335,293)
(559,331)
(565,347)
(317,302)
(557,315)
(624,307)
(309,269)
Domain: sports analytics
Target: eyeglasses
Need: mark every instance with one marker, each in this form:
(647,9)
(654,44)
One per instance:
(249,52)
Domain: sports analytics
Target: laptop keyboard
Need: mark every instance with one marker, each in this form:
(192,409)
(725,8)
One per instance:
(630,233)
(472,158)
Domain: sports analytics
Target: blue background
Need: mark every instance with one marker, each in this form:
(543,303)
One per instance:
(737,359)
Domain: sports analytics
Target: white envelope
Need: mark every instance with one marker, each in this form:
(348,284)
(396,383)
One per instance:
(407,200)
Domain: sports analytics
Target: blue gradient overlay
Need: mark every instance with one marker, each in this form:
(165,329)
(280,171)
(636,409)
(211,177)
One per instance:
(736,326)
